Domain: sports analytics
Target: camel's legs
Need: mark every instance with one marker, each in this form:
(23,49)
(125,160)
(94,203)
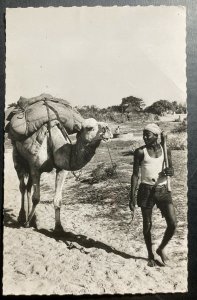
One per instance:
(60,178)
(29,199)
(23,214)
(29,202)
(22,174)
(35,183)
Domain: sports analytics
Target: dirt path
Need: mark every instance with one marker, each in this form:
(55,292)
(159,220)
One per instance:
(100,252)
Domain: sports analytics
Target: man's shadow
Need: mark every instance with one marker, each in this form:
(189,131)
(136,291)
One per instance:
(69,238)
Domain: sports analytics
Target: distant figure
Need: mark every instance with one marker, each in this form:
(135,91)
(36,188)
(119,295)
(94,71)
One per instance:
(117,130)
(153,189)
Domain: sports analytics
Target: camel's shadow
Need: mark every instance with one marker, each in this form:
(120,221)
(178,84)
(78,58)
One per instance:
(84,242)
(9,219)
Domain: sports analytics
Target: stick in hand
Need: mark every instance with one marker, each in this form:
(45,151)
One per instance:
(164,143)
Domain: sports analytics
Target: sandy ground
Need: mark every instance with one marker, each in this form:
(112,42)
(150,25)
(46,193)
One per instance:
(101,252)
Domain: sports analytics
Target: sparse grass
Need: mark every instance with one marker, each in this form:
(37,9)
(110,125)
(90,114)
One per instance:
(124,145)
(182,127)
(177,141)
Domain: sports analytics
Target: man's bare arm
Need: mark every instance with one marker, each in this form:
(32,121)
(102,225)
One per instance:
(138,157)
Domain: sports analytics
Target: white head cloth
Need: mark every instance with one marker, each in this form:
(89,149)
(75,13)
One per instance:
(154,128)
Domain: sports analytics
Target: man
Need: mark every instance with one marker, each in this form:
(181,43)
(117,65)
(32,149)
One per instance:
(153,189)
(117,130)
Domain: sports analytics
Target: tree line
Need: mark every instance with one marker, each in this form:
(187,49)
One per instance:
(131,107)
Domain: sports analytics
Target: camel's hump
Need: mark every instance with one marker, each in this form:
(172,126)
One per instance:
(31,114)
(24,102)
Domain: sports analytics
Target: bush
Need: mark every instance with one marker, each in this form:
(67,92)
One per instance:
(182,127)
(160,107)
(112,114)
(101,173)
(177,142)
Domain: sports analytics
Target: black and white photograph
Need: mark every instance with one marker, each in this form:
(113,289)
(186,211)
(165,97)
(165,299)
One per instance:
(95,151)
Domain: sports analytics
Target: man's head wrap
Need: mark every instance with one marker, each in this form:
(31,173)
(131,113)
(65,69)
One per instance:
(154,128)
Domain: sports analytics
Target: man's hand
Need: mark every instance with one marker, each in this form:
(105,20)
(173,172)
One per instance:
(131,205)
(132,208)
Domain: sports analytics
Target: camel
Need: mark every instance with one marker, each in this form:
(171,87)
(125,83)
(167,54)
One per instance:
(56,151)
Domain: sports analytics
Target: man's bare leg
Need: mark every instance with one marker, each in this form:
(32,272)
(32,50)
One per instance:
(169,214)
(147,225)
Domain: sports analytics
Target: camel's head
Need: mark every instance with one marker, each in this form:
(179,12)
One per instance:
(93,131)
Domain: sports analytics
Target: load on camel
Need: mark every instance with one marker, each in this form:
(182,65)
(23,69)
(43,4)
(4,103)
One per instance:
(38,128)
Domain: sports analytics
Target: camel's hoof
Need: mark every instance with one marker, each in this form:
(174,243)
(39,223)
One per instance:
(33,222)
(151,263)
(26,225)
(59,229)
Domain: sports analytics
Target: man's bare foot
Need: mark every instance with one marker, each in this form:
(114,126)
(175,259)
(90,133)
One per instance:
(151,262)
(59,229)
(163,256)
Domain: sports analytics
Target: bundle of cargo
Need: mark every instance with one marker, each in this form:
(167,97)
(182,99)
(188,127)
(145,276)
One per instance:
(31,145)
(29,115)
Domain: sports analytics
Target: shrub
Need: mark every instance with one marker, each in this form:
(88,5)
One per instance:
(182,127)
(101,173)
(113,114)
(177,142)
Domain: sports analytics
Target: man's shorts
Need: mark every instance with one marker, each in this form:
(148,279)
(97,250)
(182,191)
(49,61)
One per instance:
(149,195)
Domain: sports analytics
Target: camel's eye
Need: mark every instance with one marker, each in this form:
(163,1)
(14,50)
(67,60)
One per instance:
(89,128)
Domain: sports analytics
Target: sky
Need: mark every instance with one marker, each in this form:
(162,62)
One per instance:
(96,55)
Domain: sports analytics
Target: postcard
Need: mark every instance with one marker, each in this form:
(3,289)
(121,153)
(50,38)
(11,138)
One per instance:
(95,174)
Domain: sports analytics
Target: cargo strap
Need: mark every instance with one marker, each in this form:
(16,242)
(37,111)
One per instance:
(63,130)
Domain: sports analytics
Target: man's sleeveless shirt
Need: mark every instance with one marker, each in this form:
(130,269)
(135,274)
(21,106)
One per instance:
(150,169)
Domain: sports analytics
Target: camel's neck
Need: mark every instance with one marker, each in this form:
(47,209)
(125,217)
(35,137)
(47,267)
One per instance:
(82,153)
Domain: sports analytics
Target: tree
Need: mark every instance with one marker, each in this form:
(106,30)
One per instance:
(133,104)
(160,107)
(181,108)
(114,108)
